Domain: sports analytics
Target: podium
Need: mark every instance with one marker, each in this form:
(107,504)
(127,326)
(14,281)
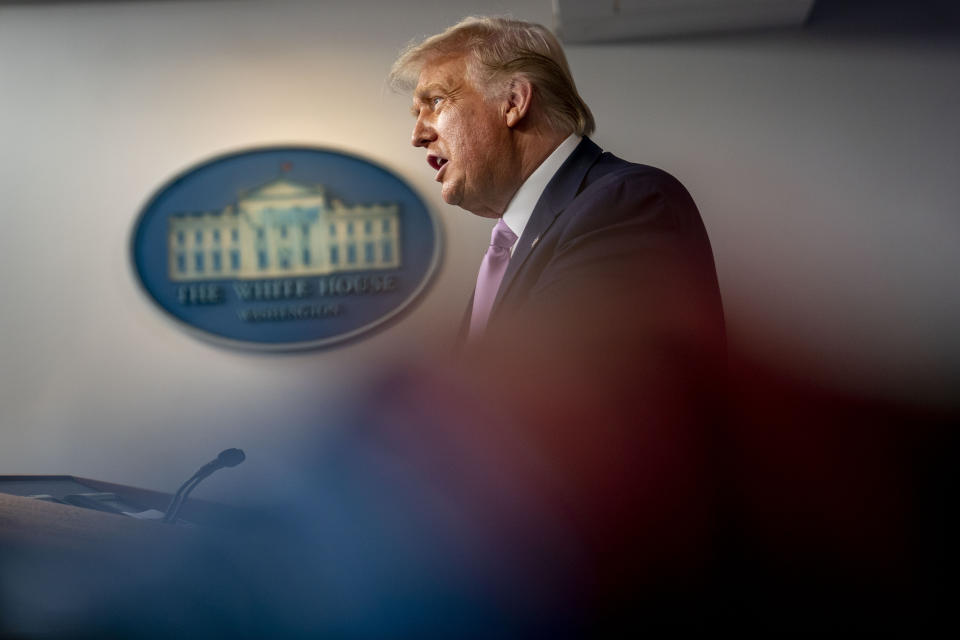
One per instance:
(68,571)
(110,497)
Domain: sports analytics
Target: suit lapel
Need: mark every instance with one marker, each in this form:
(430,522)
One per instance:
(562,188)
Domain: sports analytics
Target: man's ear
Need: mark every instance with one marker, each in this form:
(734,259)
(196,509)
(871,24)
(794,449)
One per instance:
(519,98)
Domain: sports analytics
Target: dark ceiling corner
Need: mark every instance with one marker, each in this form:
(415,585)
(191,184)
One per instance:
(886,16)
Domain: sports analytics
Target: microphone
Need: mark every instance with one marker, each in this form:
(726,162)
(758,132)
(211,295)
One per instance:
(231,457)
(227,458)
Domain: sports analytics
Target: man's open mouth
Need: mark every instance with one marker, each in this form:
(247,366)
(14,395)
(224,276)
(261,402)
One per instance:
(437,163)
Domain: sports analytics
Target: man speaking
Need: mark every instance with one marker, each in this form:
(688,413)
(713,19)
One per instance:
(581,235)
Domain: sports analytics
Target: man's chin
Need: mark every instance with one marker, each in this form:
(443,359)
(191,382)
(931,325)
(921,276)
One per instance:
(454,197)
(451,196)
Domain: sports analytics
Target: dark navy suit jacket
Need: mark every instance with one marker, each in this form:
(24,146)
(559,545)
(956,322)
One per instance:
(610,240)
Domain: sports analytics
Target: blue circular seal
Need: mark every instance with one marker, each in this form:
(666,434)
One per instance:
(285,248)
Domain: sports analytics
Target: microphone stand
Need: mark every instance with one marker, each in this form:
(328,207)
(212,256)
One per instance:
(227,458)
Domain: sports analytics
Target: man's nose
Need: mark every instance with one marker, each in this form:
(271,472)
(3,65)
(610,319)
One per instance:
(423,134)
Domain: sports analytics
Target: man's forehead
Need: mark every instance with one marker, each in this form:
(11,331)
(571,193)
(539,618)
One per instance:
(440,73)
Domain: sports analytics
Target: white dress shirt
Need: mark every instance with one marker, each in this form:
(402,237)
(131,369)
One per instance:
(525,199)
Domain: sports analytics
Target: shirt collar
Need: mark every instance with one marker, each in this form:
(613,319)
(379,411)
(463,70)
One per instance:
(525,199)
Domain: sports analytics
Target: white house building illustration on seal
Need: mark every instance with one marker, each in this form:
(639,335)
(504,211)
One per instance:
(283,229)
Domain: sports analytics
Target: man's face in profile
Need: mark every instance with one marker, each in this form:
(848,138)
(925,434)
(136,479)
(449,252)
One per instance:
(466,137)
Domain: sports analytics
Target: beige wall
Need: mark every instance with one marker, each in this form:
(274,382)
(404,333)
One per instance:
(824,166)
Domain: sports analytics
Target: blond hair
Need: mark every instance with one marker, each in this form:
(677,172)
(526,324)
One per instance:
(499,49)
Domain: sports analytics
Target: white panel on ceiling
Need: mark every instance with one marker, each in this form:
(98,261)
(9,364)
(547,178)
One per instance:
(604,20)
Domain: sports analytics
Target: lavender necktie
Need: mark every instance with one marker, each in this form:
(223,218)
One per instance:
(492,268)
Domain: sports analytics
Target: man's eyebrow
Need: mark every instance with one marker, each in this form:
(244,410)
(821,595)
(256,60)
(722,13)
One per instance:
(421,93)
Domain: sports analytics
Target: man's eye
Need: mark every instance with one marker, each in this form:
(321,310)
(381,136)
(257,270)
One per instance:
(436,100)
